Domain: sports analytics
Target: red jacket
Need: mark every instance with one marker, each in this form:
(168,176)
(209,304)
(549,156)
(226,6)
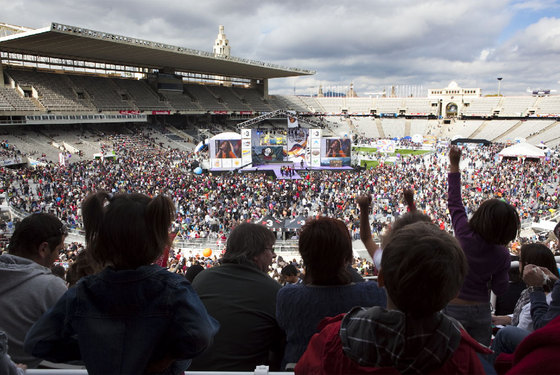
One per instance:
(324,356)
(539,352)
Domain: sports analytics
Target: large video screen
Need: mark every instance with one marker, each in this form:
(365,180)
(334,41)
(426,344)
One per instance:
(268,154)
(227,149)
(336,149)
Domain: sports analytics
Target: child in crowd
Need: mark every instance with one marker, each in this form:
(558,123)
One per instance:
(134,316)
(483,238)
(412,216)
(422,269)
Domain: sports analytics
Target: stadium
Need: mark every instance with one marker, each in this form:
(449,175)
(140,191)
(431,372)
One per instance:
(82,110)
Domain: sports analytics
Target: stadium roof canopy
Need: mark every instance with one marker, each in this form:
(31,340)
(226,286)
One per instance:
(76,43)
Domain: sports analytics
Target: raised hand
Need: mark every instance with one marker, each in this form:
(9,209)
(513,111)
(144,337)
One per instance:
(364,201)
(454,158)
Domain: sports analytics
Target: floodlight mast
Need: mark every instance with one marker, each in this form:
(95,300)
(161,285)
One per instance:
(499,84)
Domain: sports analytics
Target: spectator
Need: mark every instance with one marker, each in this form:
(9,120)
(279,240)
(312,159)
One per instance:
(242,297)
(540,255)
(373,249)
(134,316)
(326,249)
(483,239)
(193,271)
(81,267)
(543,341)
(508,338)
(28,287)
(505,304)
(411,335)
(290,274)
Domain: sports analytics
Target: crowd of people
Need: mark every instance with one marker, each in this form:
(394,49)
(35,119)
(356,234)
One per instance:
(429,311)
(209,205)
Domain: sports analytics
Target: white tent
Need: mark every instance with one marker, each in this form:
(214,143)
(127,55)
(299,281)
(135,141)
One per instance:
(522,150)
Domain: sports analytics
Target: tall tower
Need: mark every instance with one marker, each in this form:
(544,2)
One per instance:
(221,45)
(222,49)
(351,93)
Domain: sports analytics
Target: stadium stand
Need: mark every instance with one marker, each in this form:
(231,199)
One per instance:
(55,92)
(255,101)
(181,102)
(523,129)
(390,105)
(144,97)
(359,105)
(419,106)
(517,106)
(549,135)
(419,126)
(481,106)
(493,129)
(548,105)
(292,103)
(366,126)
(205,98)
(103,93)
(10,100)
(458,129)
(312,104)
(331,105)
(229,98)
(394,127)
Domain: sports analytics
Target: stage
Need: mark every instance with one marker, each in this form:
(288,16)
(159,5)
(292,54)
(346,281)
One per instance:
(277,167)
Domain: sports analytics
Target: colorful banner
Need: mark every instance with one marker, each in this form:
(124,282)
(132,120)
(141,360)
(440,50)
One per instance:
(297,143)
(386,145)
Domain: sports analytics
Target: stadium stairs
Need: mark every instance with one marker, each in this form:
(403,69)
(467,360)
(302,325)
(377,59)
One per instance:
(480,129)
(514,127)
(380,128)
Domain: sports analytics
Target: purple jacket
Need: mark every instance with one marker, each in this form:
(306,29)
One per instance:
(488,263)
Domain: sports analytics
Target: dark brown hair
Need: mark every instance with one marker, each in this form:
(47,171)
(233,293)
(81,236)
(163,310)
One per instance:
(246,241)
(83,266)
(130,231)
(423,268)
(32,231)
(325,246)
(496,221)
(539,255)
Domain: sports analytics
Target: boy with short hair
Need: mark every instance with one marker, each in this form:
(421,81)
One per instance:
(422,269)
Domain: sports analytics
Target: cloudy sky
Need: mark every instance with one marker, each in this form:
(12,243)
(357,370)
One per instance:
(374,44)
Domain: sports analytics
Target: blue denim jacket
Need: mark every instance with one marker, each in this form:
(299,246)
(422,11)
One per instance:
(125,322)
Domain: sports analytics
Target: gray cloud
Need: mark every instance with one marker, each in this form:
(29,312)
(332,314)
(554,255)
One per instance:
(372,43)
